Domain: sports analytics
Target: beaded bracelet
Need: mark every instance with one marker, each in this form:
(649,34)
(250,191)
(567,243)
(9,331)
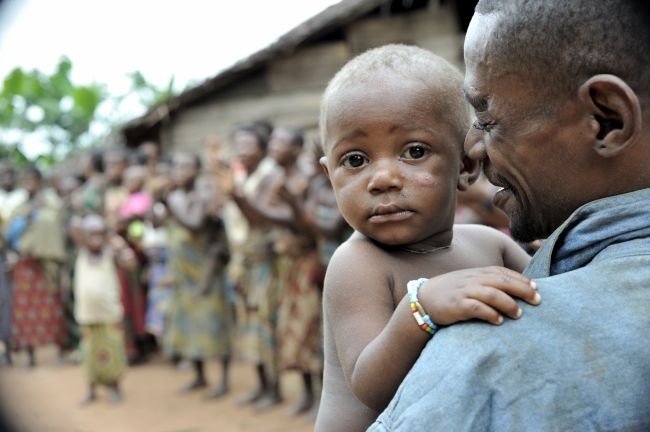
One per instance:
(421,317)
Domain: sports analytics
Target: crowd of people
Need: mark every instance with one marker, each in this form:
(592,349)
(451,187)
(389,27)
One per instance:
(137,253)
(347,272)
(128,253)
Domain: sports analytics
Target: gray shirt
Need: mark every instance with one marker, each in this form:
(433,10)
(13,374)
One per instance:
(578,362)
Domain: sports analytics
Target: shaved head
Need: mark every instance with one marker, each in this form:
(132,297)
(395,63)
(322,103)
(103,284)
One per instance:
(560,44)
(404,62)
(93,222)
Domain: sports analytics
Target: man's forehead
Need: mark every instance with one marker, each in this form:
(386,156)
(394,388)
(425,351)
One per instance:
(480,32)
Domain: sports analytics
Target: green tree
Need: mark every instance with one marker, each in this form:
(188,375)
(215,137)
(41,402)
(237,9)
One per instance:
(48,107)
(148,93)
(63,117)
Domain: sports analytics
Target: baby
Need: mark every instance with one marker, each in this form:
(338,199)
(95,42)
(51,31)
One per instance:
(393,122)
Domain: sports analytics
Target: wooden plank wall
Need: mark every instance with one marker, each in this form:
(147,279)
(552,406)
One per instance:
(288,90)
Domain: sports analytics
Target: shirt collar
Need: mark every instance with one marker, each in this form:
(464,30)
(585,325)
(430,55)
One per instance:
(590,229)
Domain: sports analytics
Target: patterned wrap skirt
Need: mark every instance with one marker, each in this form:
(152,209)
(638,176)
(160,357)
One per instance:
(257,315)
(103,353)
(200,326)
(300,317)
(37,306)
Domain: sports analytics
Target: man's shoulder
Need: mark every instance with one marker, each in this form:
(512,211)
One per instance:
(631,250)
(581,344)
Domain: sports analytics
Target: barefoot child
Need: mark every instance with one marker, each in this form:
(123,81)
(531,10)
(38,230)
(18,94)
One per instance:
(393,121)
(98,308)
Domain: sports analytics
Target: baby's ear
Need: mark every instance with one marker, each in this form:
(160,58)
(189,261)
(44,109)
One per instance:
(323,163)
(470,170)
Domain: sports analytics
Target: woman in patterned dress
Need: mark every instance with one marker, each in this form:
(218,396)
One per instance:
(200,316)
(35,232)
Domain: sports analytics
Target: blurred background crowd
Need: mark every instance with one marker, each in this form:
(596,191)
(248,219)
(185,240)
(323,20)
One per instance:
(218,255)
(198,233)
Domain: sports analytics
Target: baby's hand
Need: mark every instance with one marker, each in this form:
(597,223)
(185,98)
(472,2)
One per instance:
(480,293)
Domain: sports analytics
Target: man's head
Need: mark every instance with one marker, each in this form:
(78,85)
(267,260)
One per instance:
(92,163)
(250,146)
(134,178)
(392,125)
(559,90)
(150,152)
(115,162)
(286,145)
(7,176)
(32,180)
(185,169)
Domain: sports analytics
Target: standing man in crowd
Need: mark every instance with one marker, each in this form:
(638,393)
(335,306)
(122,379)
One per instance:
(561,92)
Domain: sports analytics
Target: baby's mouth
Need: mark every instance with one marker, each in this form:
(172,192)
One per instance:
(390,213)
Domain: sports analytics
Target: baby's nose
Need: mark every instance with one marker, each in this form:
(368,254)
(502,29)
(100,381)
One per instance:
(385,176)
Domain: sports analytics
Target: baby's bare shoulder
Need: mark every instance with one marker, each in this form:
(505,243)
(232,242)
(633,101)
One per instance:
(479,234)
(480,241)
(359,252)
(357,263)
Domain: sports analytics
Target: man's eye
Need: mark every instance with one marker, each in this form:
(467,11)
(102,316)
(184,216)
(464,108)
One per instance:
(481,126)
(354,161)
(415,152)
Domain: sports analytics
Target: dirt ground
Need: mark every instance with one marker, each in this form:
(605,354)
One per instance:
(47,397)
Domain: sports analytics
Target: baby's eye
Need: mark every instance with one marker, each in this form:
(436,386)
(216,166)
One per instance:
(353,160)
(415,151)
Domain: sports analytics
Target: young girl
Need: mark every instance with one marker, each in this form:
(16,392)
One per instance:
(393,122)
(98,308)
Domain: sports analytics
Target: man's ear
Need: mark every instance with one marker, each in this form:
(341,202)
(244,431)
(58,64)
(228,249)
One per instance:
(616,112)
(470,169)
(323,163)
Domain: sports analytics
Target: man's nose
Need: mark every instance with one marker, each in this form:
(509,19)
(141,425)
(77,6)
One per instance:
(475,145)
(386,176)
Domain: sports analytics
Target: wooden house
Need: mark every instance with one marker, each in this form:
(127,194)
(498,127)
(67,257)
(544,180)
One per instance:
(283,83)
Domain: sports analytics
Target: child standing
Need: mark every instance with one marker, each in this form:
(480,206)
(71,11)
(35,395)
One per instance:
(98,309)
(393,121)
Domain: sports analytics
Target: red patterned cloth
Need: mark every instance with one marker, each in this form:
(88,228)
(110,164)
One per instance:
(37,306)
(134,304)
(299,327)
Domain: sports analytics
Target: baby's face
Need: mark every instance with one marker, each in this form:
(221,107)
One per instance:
(392,160)
(95,239)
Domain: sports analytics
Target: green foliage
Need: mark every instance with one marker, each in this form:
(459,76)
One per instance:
(150,95)
(13,155)
(54,111)
(50,106)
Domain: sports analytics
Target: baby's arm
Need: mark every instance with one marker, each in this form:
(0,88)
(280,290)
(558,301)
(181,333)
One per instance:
(377,348)
(496,246)
(374,356)
(514,256)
